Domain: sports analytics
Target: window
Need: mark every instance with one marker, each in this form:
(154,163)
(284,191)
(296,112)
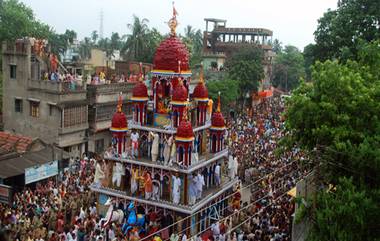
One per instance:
(51,107)
(34,109)
(99,146)
(18,105)
(74,116)
(12,72)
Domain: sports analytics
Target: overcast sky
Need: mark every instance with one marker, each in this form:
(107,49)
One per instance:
(292,21)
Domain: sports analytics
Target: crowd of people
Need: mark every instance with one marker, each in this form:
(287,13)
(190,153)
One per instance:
(64,209)
(54,210)
(253,138)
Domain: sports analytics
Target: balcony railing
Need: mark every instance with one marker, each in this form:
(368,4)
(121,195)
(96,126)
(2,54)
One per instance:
(57,87)
(111,88)
(166,200)
(203,160)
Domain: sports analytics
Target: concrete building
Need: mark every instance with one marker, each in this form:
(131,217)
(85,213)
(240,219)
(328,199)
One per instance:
(74,116)
(220,41)
(102,105)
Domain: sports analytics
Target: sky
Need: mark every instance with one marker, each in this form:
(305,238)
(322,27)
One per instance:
(292,21)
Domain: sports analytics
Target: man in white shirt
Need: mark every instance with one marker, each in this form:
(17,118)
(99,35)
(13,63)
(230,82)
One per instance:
(135,143)
(217,174)
(199,184)
(176,189)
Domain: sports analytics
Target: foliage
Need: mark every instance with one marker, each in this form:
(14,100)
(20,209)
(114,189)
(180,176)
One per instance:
(288,68)
(300,214)
(85,48)
(338,117)
(309,59)
(228,89)
(340,113)
(153,39)
(339,31)
(277,46)
(60,42)
(245,66)
(194,43)
(136,42)
(348,213)
(18,21)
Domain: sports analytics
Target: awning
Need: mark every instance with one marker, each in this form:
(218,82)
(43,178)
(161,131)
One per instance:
(14,166)
(292,192)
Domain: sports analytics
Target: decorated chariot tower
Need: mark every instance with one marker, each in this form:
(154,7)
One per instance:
(175,163)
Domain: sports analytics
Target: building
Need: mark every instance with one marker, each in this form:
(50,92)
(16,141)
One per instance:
(21,157)
(70,114)
(174,145)
(102,100)
(55,112)
(220,41)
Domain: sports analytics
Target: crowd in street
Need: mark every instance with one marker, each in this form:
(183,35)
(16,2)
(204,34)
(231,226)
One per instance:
(54,210)
(65,209)
(253,139)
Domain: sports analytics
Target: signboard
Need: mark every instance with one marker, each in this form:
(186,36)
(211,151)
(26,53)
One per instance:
(5,194)
(40,172)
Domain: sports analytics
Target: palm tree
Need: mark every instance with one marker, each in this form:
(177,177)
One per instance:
(85,48)
(115,41)
(194,41)
(189,32)
(94,36)
(135,43)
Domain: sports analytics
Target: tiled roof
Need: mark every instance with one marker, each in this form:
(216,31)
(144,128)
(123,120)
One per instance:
(14,143)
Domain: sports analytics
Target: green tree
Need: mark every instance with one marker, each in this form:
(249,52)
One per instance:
(228,88)
(309,59)
(153,39)
(85,47)
(288,68)
(277,46)
(194,42)
(337,115)
(116,41)
(18,21)
(136,42)
(94,37)
(347,213)
(70,35)
(340,30)
(245,66)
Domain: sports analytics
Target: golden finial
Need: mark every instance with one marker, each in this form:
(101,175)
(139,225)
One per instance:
(173,22)
(201,75)
(120,102)
(185,114)
(218,106)
(141,72)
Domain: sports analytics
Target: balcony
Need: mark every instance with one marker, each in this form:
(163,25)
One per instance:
(208,195)
(164,129)
(203,161)
(72,129)
(54,87)
(255,31)
(111,88)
